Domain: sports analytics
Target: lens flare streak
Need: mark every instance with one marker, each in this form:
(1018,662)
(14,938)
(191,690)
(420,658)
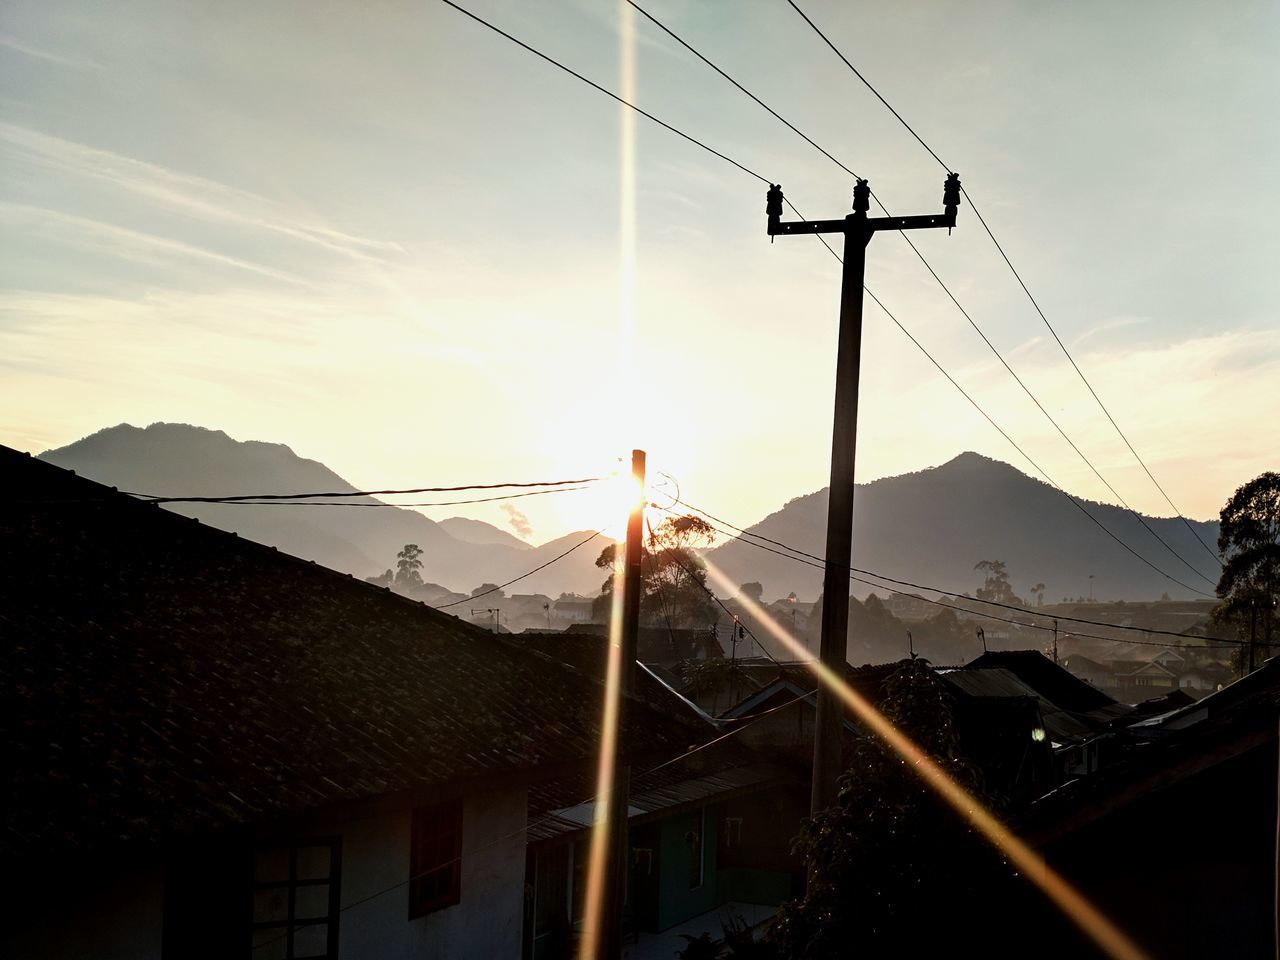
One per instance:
(1083,913)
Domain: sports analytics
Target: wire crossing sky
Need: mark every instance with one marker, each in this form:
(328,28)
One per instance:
(390,241)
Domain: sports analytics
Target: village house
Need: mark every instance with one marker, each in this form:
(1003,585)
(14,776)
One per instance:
(1176,831)
(217,750)
(709,829)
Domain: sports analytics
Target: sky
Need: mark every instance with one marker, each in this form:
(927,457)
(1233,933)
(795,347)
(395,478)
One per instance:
(391,239)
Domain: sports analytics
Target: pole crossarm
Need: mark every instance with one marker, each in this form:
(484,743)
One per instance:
(858,223)
(855,224)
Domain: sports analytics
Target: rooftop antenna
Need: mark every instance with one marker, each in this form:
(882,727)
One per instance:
(983,637)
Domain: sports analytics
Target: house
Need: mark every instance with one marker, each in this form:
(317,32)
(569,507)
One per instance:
(218,750)
(1176,836)
(705,831)
(996,728)
(709,828)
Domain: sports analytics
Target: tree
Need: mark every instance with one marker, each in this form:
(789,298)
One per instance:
(489,590)
(892,869)
(383,579)
(1038,592)
(673,579)
(753,590)
(407,567)
(996,586)
(1249,543)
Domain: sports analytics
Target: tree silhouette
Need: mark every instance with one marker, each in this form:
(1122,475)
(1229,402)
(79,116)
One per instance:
(673,578)
(892,870)
(1249,542)
(996,586)
(407,567)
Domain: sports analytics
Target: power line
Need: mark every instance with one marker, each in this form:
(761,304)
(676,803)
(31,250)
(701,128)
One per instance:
(434,503)
(1004,256)
(1039,469)
(820,565)
(608,93)
(867,83)
(965,313)
(758,176)
(156,498)
(740,532)
(720,603)
(476,596)
(1085,380)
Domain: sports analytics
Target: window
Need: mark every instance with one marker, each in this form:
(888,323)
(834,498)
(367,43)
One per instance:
(295,899)
(694,841)
(435,858)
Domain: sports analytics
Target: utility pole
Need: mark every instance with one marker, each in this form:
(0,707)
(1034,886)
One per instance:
(858,229)
(1055,641)
(615,872)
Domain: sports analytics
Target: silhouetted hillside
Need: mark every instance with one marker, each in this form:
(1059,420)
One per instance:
(934,525)
(172,459)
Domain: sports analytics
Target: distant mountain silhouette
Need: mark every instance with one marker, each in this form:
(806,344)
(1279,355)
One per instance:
(477,531)
(179,459)
(930,527)
(933,526)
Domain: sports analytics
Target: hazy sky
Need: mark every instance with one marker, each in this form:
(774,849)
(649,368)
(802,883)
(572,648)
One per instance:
(389,238)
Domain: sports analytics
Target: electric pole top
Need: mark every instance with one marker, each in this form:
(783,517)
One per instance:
(858,220)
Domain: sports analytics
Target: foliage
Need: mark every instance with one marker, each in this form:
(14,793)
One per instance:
(996,586)
(753,590)
(701,947)
(1038,592)
(893,870)
(383,579)
(489,590)
(1249,542)
(407,567)
(876,635)
(673,578)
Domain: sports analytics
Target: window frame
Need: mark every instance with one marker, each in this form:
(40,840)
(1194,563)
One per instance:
(291,884)
(440,824)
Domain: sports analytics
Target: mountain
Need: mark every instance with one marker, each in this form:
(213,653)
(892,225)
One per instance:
(179,459)
(931,527)
(477,531)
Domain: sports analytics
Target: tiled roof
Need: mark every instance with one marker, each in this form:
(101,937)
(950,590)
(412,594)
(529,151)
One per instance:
(162,676)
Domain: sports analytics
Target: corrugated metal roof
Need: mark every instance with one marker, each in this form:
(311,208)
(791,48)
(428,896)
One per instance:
(659,797)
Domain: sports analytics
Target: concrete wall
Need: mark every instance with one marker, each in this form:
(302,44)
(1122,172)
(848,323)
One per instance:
(485,923)
(116,920)
(122,918)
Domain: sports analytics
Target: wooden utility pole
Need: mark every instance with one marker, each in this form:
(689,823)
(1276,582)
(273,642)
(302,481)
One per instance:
(858,230)
(614,898)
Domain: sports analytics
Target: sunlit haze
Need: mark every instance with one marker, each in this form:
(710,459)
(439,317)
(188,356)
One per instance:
(400,244)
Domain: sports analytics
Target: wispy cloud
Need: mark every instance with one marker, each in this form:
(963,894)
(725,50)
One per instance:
(126,243)
(188,194)
(76,63)
(519,522)
(1114,323)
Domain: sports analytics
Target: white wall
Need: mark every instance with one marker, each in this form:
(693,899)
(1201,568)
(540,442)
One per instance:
(121,920)
(484,925)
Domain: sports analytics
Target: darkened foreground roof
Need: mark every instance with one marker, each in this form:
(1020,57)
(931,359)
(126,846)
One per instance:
(1049,680)
(162,676)
(721,769)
